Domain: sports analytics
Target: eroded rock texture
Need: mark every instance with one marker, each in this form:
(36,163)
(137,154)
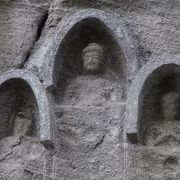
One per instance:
(109,70)
(21,23)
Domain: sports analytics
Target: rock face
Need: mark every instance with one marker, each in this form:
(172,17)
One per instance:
(21,23)
(89,89)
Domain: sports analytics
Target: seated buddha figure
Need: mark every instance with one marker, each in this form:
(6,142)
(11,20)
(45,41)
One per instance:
(23,125)
(94,85)
(166,132)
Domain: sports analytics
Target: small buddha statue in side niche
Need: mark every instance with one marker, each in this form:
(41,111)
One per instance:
(166,132)
(23,124)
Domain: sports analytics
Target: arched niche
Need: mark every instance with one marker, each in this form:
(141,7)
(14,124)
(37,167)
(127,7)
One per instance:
(163,81)
(144,107)
(45,59)
(18,109)
(68,63)
(24,107)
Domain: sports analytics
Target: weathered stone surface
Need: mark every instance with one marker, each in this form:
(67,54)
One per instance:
(105,124)
(20,23)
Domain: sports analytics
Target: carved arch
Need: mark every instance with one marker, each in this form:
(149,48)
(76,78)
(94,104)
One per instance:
(111,22)
(149,76)
(27,79)
(88,30)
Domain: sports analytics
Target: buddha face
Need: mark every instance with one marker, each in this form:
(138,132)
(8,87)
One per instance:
(170,105)
(93,56)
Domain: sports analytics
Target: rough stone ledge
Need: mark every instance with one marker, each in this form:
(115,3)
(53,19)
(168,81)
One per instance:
(46,127)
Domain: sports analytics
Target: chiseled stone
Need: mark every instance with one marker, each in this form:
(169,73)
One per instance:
(120,122)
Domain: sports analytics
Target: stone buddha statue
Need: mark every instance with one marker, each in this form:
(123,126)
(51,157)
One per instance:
(93,59)
(23,124)
(170,106)
(94,85)
(85,100)
(166,133)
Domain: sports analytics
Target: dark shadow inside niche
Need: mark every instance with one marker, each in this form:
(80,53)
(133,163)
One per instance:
(18,109)
(69,65)
(163,81)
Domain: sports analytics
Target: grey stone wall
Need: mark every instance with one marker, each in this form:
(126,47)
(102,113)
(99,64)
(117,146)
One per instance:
(89,127)
(21,23)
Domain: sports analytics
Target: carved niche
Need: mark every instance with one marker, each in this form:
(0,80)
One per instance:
(79,40)
(159,108)
(18,109)
(24,108)
(91,82)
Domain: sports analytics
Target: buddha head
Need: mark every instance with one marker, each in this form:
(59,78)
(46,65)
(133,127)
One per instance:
(170,106)
(93,58)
